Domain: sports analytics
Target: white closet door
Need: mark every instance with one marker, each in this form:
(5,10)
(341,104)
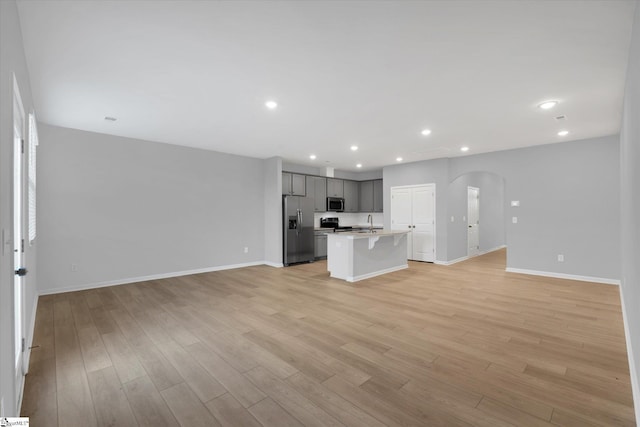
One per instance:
(413,208)
(401,214)
(423,215)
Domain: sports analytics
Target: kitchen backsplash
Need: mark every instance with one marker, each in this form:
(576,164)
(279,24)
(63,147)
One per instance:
(350,218)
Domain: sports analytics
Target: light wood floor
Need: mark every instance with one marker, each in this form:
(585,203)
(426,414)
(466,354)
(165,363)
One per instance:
(467,344)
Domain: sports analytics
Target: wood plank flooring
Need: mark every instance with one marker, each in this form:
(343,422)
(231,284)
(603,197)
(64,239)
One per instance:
(463,345)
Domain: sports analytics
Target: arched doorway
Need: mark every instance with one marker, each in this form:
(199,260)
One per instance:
(476,226)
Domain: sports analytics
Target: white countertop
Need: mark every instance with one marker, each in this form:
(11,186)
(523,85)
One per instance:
(363,235)
(355,227)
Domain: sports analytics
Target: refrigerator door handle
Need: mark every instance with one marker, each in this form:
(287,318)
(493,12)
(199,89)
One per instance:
(300,221)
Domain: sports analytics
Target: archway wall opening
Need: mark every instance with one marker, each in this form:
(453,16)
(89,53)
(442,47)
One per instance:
(569,199)
(569,196)
(492,213)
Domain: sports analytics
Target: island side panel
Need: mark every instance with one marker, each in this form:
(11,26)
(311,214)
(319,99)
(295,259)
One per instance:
(384,257)
(339,256)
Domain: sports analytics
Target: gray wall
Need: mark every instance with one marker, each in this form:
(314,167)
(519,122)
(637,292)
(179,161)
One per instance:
(122,208)
(569,195)
(630,209)
(359,176)
(492,208)
(312,170)
(569,198)
(12,60)
(303,169)
(427,172)
(273,211)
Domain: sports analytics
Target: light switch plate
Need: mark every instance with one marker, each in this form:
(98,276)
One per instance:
(515,203)
(514,219)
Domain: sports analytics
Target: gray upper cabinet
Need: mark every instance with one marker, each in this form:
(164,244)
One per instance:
(286,183)
(371,196)
(366,196)
(320,185)
(350,196)
(363,196)
(317,189)
(335,187)
(293,184)
(377,195)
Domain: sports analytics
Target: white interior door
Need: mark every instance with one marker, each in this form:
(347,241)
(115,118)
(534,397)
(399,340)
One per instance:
(413,208)
(423,218)
(473,218)
(401,214)
(18,238)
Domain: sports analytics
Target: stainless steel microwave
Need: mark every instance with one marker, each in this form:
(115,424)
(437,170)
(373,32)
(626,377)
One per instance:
(335,204)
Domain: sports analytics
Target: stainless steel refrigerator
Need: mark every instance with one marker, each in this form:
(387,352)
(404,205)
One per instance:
(298,236)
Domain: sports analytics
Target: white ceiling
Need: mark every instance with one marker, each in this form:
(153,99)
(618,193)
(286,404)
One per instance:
(371,73)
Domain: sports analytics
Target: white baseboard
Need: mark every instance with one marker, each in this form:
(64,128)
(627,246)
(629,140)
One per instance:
(453,261)
(633,369)
(376,273)
(151,277)
(274,264)
(464,258)
(565,276)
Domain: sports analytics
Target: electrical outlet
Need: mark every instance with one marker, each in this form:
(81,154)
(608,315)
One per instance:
(452,219)
(560,258)
(514,219)
(74,268)
(246,249)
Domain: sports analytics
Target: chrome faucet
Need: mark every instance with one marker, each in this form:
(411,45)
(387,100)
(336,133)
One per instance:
(370,221)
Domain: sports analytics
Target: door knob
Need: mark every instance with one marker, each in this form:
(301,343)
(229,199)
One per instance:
(21,271)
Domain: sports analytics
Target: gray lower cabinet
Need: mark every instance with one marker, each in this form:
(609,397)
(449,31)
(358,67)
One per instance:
(351,201)
(321,246)
(293,184)
(335,187)
(317,189)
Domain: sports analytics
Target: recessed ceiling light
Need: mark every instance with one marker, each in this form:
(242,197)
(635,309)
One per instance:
(426,132)
(464,149)
(312,157)
(547,105)
(110,119)
(354,148)
(398,159)
(271,105)
(359,165)
(563,133)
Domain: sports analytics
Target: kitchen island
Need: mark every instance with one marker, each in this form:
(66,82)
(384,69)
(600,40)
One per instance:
(354,256)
